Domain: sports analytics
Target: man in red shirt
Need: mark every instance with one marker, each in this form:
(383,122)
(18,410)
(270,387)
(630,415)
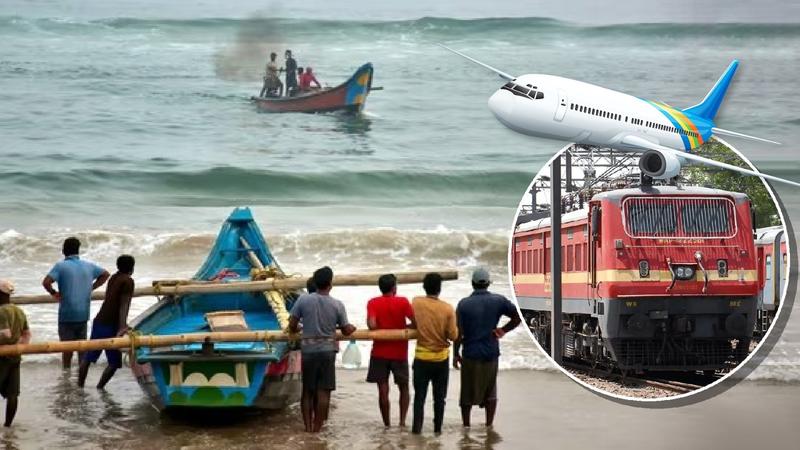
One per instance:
(306,78)
(389,312)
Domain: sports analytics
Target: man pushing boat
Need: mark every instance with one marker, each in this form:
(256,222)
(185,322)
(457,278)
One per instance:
(321,316)
(111,321)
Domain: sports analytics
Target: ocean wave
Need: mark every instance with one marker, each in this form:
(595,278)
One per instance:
(426,26)
(222,186)
(382,247)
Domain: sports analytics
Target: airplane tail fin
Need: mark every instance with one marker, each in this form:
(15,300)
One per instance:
(707,108)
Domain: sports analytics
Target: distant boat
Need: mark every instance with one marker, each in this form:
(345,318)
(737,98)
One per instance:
(349,96)
(225,374)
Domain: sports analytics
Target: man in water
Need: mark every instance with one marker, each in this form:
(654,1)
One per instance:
(111,321)
(13,330)
(389,312)
(478,316)
(436,324)
(307,78)
(321,315)
(291,71)
(76,280)
(272,82)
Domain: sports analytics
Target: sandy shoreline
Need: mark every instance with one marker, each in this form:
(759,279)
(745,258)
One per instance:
(536,409)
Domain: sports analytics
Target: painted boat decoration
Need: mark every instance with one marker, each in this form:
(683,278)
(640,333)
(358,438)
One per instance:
(349,96)
(230,374)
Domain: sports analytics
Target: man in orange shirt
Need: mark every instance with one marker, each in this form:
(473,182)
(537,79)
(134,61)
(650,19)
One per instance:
(436,324)
(389,312)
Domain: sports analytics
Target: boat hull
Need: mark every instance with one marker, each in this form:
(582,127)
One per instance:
(205,384)
(349,97)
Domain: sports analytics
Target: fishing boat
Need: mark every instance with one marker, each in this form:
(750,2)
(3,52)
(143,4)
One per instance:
(222,374)
(349,96)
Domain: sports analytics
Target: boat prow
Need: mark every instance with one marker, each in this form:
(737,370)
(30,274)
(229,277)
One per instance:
(230,374)
(349,96)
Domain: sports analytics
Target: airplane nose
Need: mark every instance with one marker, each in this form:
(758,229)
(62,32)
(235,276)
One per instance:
(501,103)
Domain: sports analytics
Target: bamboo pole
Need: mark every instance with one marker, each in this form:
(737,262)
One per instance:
(274,298)
(273,284)
(137,341)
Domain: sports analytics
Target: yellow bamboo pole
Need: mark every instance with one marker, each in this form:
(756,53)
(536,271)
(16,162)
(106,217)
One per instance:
(272,284)
(274,298)
(137,341)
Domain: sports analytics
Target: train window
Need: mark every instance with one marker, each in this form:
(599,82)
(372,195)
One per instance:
(585,230)
(563,258)
(569,233)
(706,217)
(650,218)
(768,266)
(570,258)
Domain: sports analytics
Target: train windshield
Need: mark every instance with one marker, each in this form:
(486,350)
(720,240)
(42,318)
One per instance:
(679,217)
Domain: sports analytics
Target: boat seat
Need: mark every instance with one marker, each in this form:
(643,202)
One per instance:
(226,321)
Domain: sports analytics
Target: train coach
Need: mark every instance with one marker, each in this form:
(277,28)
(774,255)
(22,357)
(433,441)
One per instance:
(771,252)
(653,278)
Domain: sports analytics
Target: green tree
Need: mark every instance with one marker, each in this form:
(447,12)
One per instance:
(765,210)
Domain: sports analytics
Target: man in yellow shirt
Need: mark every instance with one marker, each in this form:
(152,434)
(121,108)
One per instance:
(13,330)
(436,324)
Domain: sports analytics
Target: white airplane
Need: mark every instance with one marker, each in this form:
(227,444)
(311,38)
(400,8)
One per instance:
(560,108)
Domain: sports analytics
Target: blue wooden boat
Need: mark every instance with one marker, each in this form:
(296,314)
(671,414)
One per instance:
(222,375)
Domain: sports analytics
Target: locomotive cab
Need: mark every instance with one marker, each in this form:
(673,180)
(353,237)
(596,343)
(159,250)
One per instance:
(659,278)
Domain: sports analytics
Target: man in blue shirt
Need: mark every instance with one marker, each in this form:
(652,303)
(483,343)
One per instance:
(321,316)
(478,316)
(76,280)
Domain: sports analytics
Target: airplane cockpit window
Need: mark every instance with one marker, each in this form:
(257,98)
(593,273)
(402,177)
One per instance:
(523,91)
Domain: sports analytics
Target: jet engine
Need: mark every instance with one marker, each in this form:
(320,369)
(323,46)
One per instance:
(660,165)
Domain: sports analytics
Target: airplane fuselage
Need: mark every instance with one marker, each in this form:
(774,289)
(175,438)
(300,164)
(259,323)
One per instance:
(570,110)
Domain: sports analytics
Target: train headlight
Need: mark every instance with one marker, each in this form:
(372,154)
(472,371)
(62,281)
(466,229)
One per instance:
(644,269)
(722,267)
(684,272)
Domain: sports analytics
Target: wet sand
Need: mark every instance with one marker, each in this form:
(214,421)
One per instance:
(537,409)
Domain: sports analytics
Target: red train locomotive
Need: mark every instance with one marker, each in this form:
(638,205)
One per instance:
(653,278)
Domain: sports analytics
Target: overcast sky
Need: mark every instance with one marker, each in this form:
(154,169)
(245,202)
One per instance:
(581,11)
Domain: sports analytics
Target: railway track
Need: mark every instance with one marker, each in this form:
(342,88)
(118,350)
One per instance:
(677,383)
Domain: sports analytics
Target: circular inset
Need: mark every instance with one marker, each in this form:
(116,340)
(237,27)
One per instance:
(671,290)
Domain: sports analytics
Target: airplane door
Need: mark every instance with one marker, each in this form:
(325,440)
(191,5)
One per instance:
(561,109)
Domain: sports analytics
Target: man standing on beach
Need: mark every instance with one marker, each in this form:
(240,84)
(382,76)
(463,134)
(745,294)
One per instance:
(76,280)
(111,321)
(321,315)
(436,324)
(13,330)
(478,316)
(389,312)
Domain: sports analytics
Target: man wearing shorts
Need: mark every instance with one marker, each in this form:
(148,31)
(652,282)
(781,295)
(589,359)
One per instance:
(478,316)
(321,315)
(111,321)
(13,330)
(76,280)
(389,312)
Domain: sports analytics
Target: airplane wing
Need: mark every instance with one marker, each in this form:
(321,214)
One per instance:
(497,71)
(635,141)
(723,132)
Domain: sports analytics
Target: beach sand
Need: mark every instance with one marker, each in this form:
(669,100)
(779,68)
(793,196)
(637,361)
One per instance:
(539,409)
